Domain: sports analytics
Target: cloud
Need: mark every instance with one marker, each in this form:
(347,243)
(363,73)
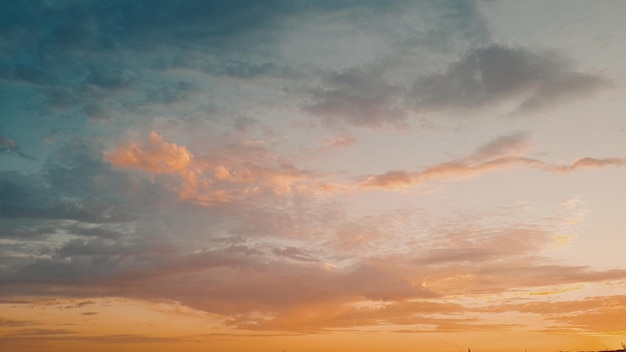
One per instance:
(511,144)
(134,52)
(341,314)
(500,154)
(28,337)
(35,333)
(242,171)
(338,141)
(523,273)
(260,283)
(483,77)
(158,157)
(492,74)
(75,183)
(236,276)
(155,156)
(15,323)
(595,313)
(293,253)
(110,224)
(359,98)
(9,146)
(488,247)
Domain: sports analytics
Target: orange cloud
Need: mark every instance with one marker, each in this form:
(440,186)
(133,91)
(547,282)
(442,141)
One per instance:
(591,163)
(598,314)
(159,157)
(155,156)
(209,180)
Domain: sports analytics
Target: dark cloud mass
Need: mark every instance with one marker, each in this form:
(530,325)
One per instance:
(492,74)
(75,184)
(99,58)
(483,77)
(359,98)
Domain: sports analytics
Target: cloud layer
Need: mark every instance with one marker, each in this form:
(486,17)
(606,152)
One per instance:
(118,224)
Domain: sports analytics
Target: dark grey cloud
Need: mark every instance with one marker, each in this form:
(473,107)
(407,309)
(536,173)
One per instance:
(489,75)
(32,229)
(358,97)
(170,93)
(76,184)
(482,78)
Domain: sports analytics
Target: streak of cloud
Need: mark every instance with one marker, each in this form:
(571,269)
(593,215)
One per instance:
(500,154)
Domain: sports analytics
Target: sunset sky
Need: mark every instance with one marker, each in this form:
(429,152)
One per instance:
(304,176)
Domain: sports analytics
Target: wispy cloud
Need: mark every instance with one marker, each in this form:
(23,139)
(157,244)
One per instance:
(340,140)
(599,313)
(500,154)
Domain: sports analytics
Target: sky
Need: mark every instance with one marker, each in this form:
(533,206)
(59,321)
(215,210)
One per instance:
(294,175)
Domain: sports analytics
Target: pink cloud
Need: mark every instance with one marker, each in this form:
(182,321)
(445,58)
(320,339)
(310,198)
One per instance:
(500,154)
(235,173)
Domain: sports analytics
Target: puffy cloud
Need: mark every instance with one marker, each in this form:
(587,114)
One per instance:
(156,156)
(159,157)
(211,179)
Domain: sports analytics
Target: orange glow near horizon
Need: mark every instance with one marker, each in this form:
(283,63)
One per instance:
(132,325)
